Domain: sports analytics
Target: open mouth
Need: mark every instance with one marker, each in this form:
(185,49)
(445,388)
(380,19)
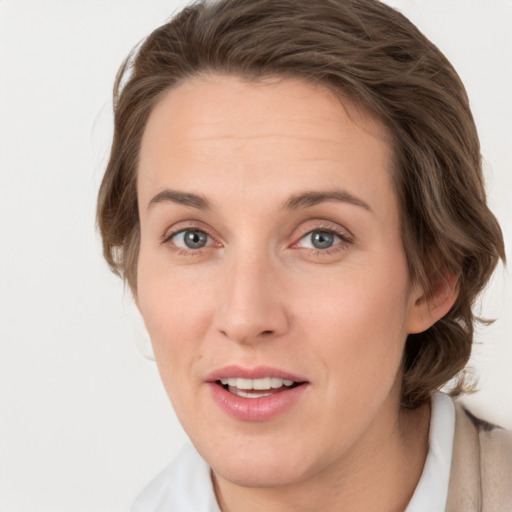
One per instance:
(256,394)
(256,388)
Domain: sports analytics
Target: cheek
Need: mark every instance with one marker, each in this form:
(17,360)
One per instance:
(174,312)
(359,319)
(175,321)
(359,331)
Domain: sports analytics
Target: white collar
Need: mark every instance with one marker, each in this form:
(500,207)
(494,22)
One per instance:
(432,489)
(184,486)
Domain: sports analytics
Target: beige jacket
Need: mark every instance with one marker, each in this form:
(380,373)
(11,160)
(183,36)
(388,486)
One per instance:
(481,474)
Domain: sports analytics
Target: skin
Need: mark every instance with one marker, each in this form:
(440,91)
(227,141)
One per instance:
(259,292)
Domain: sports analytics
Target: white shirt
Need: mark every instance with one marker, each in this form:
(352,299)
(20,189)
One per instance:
(186,485)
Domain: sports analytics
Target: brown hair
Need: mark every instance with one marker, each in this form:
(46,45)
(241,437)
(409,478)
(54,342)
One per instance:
(370,53)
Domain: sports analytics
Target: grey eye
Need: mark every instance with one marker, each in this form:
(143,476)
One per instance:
(319,239)
(190,239)
(322,239)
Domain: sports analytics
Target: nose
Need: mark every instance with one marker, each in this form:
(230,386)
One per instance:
(250,306)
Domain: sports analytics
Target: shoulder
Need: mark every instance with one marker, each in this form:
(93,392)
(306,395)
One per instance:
(481,473)
(185,485)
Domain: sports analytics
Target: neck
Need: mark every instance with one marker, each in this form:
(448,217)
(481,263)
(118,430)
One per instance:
(380,473)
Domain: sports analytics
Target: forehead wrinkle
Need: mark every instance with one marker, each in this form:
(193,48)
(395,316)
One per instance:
(290,127)
(248,138)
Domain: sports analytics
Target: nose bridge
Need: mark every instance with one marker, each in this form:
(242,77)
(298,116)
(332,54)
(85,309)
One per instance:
(250,306)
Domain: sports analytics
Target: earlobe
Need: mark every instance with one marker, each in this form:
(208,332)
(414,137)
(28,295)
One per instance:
(427,310)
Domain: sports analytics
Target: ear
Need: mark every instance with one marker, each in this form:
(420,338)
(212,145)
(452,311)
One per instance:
(425,310)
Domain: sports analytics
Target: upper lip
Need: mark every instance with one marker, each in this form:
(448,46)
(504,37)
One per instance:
(256,372)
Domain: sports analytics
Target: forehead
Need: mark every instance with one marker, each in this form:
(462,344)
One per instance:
(223,105)
(219,128)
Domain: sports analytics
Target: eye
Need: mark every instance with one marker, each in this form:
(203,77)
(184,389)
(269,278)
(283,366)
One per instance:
(319,239)
(190,239)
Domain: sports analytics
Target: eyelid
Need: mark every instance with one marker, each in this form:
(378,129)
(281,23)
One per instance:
(323,225)
(346,239)
(189,225)
(183,225)
(173,232)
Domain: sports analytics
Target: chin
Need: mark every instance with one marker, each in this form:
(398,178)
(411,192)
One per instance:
(259,473)
(262,462)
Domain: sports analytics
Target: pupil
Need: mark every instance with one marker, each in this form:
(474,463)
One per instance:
(195,239)
(322,239)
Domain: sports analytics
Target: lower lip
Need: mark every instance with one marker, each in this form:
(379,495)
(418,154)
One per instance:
(256,409)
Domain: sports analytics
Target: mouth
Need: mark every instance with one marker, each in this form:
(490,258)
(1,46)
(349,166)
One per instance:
(256,388)
(257,394)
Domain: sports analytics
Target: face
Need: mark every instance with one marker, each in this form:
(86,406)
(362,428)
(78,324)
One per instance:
(271,276)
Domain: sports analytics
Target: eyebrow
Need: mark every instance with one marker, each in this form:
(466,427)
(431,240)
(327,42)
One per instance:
(308,199)
(303,200)
(183,198)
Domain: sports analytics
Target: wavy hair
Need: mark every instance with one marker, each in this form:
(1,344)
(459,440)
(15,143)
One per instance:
(370,53)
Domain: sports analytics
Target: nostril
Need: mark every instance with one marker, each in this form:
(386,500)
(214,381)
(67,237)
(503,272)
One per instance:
(266,333)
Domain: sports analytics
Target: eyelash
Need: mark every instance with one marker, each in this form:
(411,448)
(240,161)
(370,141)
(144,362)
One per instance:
(345,241)
(166,240)
(342,245)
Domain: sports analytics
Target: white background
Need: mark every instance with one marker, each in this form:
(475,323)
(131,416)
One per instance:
(84,420)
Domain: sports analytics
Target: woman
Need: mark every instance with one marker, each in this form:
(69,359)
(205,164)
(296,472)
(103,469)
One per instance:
(295,198)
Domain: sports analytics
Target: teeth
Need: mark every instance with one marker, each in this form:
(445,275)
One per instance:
(246,393)
(259,384)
